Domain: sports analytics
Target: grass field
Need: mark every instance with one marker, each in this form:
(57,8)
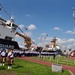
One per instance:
(58,60)
(22,67)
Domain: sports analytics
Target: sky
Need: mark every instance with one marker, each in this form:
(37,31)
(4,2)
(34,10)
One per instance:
(41,17)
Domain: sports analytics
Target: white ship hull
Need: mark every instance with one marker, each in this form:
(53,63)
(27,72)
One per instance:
(7,34)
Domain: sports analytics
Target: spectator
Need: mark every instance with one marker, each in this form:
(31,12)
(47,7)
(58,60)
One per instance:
(3,56)
(69,52)
(10,58)
(65,53)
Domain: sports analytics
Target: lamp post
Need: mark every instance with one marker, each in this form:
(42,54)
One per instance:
(41,42)
(42,39)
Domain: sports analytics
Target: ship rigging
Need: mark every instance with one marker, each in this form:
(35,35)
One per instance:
(8,30)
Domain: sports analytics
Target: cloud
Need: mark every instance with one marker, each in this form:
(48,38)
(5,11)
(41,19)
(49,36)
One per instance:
(70,32)
(21,26)
(63,43)
(20,41)
(31,27)
(21,44)
(44,34)
(66,43)
(69,40)
(28,34)
(57,28)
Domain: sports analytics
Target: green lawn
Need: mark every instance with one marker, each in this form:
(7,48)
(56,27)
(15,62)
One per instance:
(58,60)
(22,67)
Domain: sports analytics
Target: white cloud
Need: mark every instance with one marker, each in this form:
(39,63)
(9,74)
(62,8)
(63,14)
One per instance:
(28,34)
(20,41)
(71,40)
(57,28)
(31,27)
(70,32)
(63,43)
(44,34)
(21,44)
(21,26)
(66,43)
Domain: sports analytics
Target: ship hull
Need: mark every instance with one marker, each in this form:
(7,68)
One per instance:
(8,44)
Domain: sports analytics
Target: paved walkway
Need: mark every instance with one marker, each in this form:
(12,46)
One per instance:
(72,69)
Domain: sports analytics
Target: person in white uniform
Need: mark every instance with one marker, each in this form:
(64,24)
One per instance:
(10,58)
(3,56)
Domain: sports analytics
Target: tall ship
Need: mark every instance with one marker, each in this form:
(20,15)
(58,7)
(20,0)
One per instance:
(8,31)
